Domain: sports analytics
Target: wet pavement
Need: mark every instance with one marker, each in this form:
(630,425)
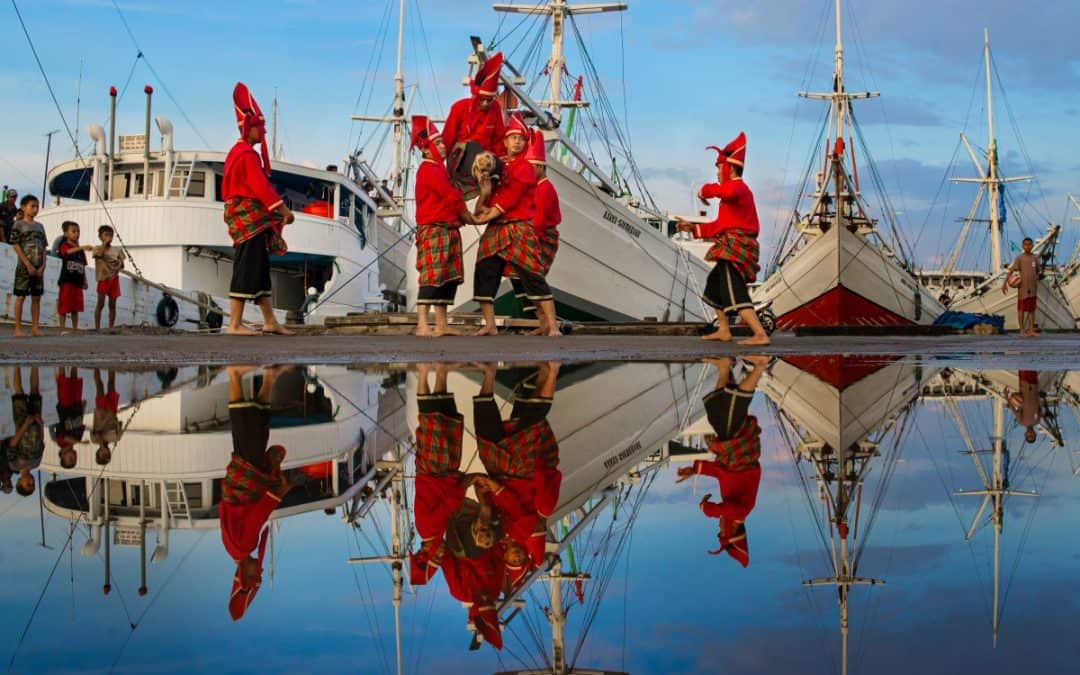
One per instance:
(184,349)
(826,513)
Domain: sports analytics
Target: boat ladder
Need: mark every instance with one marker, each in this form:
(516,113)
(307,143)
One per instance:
(176,501)
(180,178)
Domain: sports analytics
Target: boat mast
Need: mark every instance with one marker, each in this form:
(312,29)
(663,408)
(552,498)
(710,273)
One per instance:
(559,10)
(992,169)
(396,187)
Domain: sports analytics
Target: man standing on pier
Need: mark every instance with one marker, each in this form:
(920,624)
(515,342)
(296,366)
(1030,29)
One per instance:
(735,247)
(255,214)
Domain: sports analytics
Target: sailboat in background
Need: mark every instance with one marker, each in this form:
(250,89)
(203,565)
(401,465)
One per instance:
(832,267)
(1070,274)
(979,291)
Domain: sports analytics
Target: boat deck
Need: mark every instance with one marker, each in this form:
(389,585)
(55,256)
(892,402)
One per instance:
(90,349)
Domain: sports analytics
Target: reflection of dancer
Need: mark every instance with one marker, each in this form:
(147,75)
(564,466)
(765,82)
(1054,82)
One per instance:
(440,485)
(253,486)
(521,457)
(1025,403)
(737,448)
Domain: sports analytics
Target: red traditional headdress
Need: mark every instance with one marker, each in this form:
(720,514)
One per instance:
(732,153)
(486,82)
(424,133)
(517,125)
(486,621)
(732,537)
(249,116)
(537,152)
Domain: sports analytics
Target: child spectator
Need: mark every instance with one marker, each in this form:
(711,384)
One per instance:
(1026,267)
(8,211)
(70,409)
(29,240)
(25,448)
(108,261)
(72,276)
(106,430)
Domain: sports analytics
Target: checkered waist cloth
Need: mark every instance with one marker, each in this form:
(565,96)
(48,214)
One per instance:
(248,217)
(740,452)
(740,249)
(521,451)
(438,443)
(245,484)
(515,242)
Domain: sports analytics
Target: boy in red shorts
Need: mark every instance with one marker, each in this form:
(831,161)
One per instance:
(108,261)
(72,276)
(1027,267)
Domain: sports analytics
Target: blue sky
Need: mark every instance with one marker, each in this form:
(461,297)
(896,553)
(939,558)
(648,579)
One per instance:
(669,607)
(696,74)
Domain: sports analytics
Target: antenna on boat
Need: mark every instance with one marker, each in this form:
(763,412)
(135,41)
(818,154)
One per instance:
(78,107)
(273,130)
(559,10)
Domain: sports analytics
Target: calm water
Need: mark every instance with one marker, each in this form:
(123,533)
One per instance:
(889,514)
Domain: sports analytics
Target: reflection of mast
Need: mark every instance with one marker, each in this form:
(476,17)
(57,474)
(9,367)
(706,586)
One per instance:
(995,488)
(393,478)
(840,480)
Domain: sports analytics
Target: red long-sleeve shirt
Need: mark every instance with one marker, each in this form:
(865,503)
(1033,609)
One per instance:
(466,122)
(515,196)
(242,524)
(738,490)
(244,177)
(437,498)
(437,200)
(547,214)
(737,210)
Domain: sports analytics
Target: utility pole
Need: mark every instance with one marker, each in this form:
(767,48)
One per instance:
(48,150)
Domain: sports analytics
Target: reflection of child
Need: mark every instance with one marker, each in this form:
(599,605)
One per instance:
(70,408)
(736,445)
(1025,403)
(106,430)
(25,448)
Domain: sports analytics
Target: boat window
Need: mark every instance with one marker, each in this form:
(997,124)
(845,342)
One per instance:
(121,187)
(361,217)
(197,188)
(345,205)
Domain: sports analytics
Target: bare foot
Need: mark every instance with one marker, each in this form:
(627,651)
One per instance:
(277,329)
(718,336)
(18,333)
(536,331)
(37,332)
(756,359)
(422,332)
(756,341)
(240,330)
(554,332)
(440,332)
(720,364)
(487,330)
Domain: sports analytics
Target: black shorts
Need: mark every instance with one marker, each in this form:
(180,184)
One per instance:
(438,295)
(251,269)
(442,404)
(250,423)
(726,290)
(727,410)
(488,275)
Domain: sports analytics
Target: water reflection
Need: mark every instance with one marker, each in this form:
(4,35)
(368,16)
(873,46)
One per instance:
(467,518)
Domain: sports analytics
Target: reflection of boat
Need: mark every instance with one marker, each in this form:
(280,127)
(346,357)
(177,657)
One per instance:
(979,291)
(167,467)
(995,478)
(836,269)
(836,432)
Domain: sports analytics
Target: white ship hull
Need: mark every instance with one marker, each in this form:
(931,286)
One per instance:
(842,279)
(611,264)
(1070,288)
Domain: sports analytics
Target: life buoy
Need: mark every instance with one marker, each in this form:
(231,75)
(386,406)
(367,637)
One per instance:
(168,312)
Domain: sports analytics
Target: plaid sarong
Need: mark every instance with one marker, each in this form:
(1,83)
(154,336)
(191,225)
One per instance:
(438,443)
(519,452)
(438,254)
(741,249)
(549,245)
(515,242)
(245,484)
(248,217)
(740,452)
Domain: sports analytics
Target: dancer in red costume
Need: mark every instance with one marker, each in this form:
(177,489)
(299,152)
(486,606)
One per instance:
(475,124)
(735,247)
(255,214)
(736,444)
